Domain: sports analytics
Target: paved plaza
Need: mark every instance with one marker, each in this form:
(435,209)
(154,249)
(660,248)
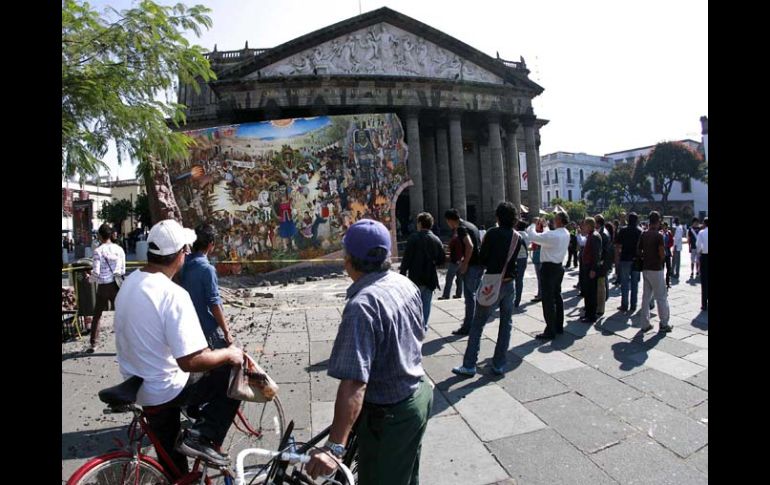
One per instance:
(599,405)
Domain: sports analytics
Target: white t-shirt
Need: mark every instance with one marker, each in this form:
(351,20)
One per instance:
(155,323)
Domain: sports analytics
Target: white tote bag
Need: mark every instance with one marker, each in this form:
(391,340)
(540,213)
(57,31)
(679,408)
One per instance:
(489,289)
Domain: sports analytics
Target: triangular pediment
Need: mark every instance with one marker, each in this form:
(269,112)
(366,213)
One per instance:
(382,42)
(381,49)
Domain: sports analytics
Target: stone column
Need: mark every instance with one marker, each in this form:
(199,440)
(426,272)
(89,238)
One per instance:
(416,204)
(533,164)
(442,174)
(484,170)
(496,162)
(513,174)
(428,146)
(458,164)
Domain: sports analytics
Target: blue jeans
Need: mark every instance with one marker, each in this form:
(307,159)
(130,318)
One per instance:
(503,334)
(451,275)
(471,282)
(521,267)
(628,278)
(427,296)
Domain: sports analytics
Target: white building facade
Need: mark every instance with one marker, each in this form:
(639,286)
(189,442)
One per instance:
(73,191)
(562,174)
(684,198)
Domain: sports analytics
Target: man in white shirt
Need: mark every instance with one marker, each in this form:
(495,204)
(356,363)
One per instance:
(678,236)
(109,260)
(554,246)
(159,338)
(703,253)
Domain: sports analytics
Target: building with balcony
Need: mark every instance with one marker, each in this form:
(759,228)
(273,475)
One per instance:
(563,173)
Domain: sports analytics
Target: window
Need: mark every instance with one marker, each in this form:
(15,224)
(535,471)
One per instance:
(547,177)
(555,177)
(557,194)
(581,176)
(548,195)
(569,195)
(687,186)
(630,160)
(569,176)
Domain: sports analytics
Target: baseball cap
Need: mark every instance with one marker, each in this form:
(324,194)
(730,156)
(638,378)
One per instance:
(170,237)
(365,235)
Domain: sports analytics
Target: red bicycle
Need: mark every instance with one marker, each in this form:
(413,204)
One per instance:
(261,423)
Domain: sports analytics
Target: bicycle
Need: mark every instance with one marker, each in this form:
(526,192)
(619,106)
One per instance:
(132,466)
(290,452)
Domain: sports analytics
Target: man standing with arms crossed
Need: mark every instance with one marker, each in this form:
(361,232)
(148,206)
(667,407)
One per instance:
(554,246)
(377,356)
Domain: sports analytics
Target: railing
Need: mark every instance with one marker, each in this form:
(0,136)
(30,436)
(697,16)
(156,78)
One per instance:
(234,55)
(512,64)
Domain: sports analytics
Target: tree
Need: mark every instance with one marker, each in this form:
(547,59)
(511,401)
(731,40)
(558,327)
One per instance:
(598,189)
(115,212)
(142,210)
(576,210)
(629,184)
(113,72)
(671,162)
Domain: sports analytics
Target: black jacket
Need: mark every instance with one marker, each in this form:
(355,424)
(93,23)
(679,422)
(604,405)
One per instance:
(423,253)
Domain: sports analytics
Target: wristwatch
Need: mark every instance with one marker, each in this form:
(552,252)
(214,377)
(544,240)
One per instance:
(336,449)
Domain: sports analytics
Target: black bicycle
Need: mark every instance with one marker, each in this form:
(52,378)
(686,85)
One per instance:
(286,466)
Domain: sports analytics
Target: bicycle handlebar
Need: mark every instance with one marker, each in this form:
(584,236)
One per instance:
(284,456)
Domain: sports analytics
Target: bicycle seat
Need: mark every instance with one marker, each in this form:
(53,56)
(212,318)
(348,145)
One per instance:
(122,394)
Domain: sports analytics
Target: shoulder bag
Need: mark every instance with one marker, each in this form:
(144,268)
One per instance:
(489,289)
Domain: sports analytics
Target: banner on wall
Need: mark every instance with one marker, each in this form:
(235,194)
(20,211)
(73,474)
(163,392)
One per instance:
(290,188)
(523,170)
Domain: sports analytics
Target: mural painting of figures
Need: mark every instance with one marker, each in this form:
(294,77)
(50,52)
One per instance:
(286,189)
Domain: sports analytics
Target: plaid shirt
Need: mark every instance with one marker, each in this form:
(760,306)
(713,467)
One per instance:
(380,338)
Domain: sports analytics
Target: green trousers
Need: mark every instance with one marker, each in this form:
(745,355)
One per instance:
(390,439)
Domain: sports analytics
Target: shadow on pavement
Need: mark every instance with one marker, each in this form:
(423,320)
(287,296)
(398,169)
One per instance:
(75,355)
(87,444)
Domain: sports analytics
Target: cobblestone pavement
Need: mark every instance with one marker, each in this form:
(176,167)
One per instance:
(600,404)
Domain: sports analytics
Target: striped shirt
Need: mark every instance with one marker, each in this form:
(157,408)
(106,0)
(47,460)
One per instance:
(105,256)
(379,341)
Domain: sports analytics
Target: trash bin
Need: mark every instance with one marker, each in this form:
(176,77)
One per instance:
(86,291)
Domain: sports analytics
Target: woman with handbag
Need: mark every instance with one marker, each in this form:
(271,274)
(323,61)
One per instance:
(108,270)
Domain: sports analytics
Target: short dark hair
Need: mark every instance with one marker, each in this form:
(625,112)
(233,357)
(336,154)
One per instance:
(633,219)
(599,220)
(506,214)
(654,217)
(425,220)
(521,226)
(590,221)
(206,235)
(371,266)
(563,217)
(706,221)
(105,231)
(452,214)
(695,219)
(161,260)
(676,220)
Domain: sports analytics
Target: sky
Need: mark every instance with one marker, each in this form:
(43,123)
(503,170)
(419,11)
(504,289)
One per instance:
(618,74)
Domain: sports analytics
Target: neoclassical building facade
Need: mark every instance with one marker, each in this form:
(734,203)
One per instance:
(467,116)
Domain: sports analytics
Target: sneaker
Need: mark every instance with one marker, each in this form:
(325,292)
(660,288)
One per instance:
(665,328)
(442,298)
(646,328)
(464,371)
(457,296)
(200,447)
(460,331)
(498,371)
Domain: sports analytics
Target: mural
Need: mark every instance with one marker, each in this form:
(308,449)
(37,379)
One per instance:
(285,189)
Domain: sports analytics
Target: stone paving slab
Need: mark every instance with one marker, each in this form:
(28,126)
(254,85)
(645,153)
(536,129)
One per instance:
(674,366)
(321,415)
(601,389)
(698,340)
(555,460)
(551,361)
(319,353)
(700,460)
(642,461)
(701,380)
(700,357)
(670,390)
(614,365)
(525,382)
(465,461)
(493,414)
(662,342)
(666,425)
(322,386)
(287,343)
(435,344)
(581,422)
(700,413)
(295,399)
(286,367)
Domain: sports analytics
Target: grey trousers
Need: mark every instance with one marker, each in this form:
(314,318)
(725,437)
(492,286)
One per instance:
(654,287)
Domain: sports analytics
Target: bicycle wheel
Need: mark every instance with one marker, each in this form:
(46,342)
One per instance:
(257,425)
(120,469)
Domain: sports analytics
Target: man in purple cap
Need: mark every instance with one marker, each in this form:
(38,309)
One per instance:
(377,356)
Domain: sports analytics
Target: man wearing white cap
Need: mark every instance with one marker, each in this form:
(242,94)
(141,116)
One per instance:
(159,338)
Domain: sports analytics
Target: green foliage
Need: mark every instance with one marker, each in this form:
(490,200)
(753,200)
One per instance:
(628,183)
(112,75)
(115,212)
(576,210)
(142,210)
(671,162)
(613,212)
(598,189)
